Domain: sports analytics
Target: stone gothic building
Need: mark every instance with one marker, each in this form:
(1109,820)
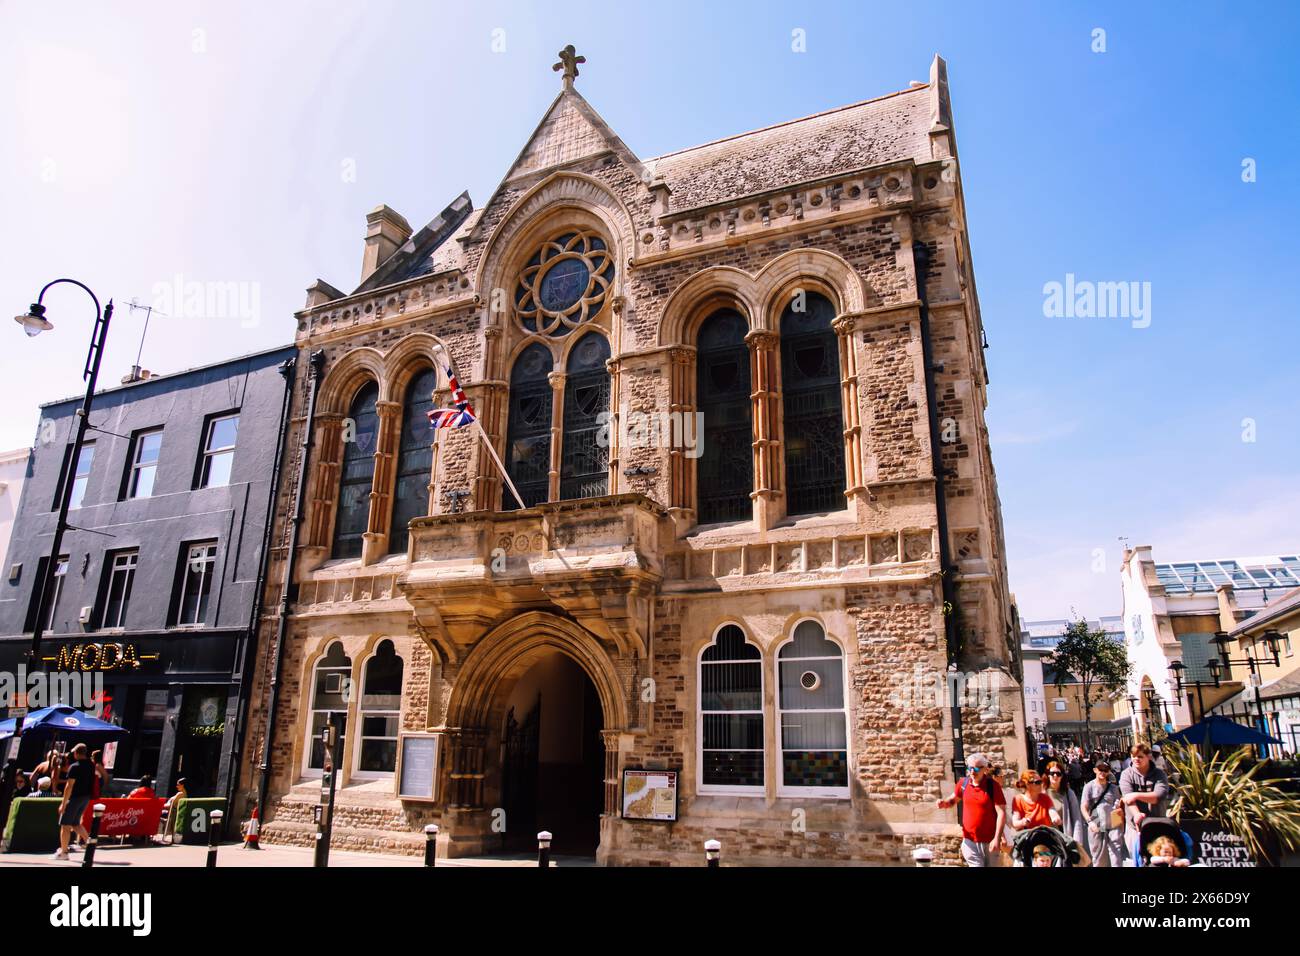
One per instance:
(740,389)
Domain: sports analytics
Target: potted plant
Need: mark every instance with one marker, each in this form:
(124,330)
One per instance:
(1221,792)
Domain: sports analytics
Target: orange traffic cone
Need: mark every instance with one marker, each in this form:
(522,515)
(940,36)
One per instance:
(251,830)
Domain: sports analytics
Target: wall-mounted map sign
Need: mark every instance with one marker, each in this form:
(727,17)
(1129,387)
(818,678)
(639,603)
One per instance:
(109,656)
(650,795)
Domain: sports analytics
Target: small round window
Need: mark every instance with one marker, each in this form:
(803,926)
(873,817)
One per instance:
(564,284)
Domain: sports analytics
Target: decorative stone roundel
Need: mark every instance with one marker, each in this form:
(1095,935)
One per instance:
(564,284)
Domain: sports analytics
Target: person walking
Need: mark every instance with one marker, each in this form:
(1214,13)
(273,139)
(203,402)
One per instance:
(1066,803)
(1102,807)
(1144,788)
(77,793)
(1033,808)
(983,812)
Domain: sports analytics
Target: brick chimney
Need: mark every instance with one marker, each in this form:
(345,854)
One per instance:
(386,230)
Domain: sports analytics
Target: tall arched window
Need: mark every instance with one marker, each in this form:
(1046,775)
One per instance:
(331,685)
(357,474)
(813,416)
(584,466)
(814,734)
(731,713)
(414,459)
(380,708)
(725,469)
(528,431)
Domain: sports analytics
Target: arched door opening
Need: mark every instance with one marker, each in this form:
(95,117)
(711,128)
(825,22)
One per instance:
(552,757)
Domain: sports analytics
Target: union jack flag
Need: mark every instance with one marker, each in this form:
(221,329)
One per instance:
(458,417)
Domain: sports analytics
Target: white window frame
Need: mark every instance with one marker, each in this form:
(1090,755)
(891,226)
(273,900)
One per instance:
(75,500)
(733,790)
(362,713)
(1060,705)
(132,485)
(56,589)
(210,564)
(831,793)
(209,452)
(125,562)
(346,673)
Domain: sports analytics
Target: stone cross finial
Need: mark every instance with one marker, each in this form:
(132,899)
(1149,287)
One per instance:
(569,61)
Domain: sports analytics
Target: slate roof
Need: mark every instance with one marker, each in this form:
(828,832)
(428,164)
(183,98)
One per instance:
(883,130)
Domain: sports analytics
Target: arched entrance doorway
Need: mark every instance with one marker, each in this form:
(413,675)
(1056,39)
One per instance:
(552,757)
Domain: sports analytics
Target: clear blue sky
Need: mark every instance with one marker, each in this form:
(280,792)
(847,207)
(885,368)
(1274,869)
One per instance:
(211,141)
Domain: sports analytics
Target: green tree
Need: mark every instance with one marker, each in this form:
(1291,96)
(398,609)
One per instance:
(1099,664)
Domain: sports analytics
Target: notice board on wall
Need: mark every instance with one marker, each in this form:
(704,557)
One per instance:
(417,766)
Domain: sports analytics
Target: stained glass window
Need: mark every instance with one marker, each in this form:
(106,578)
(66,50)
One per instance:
(814,735)
(725,468)
(528,435)
(584,466)
(731,712)
(814,418)
(414,459)
(564,284)
(358,473)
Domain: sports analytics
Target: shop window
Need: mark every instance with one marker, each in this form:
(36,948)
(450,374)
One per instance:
(810,702)
(725,469)
(731,714)
(331,691)
(812,413)
(380,706)
(357,474)
(414,460)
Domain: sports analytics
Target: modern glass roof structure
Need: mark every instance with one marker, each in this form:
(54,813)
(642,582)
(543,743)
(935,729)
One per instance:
(1242,573)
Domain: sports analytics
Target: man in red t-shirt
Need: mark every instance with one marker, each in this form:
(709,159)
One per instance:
(983,812)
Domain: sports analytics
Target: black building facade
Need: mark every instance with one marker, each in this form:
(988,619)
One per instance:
(155,588)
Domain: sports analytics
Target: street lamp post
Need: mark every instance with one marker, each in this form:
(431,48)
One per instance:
(34,323)
(1273,639)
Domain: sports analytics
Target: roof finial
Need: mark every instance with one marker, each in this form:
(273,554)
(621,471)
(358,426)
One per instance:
(569,61)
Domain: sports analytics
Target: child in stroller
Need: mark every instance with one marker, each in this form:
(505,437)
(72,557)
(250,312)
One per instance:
(1044,846)
(1161,843)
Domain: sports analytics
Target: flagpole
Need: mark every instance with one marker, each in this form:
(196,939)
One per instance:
(483,435)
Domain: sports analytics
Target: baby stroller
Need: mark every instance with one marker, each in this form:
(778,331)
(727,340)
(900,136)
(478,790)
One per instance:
(1065,852)
(1153,828)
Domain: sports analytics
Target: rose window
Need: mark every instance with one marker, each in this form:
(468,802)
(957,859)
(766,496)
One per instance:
(564,284)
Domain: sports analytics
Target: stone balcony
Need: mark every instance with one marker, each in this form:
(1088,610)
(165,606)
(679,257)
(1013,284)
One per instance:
(597,559)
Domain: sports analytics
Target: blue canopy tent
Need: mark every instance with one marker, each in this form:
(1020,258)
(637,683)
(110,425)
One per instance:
(1216,730)
(63,721)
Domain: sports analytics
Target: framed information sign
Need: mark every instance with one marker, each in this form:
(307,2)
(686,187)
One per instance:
(417,766)
(650,795)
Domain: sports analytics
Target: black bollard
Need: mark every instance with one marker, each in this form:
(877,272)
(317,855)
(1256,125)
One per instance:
(214,828)
(713,852)
(431,844)
(544,848)
(97,814)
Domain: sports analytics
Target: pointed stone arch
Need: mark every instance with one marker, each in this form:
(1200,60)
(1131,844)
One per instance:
(537,207)
(815,267)
(511,648)
(348,374)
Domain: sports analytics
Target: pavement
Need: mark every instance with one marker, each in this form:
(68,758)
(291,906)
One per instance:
(233,855)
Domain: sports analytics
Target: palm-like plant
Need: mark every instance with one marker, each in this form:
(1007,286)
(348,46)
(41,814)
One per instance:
(1219,790)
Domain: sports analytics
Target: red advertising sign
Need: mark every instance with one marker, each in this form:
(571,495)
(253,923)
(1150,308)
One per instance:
(123,817)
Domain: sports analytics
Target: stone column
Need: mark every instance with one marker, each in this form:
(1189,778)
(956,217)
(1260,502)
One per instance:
(613,368)
(375,541)
(489,401)
(557,432)
(682,472)
(764,366)
(324,488)
(610,738)
(844,327)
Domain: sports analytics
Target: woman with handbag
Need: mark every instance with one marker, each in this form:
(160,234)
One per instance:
(1103,808)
